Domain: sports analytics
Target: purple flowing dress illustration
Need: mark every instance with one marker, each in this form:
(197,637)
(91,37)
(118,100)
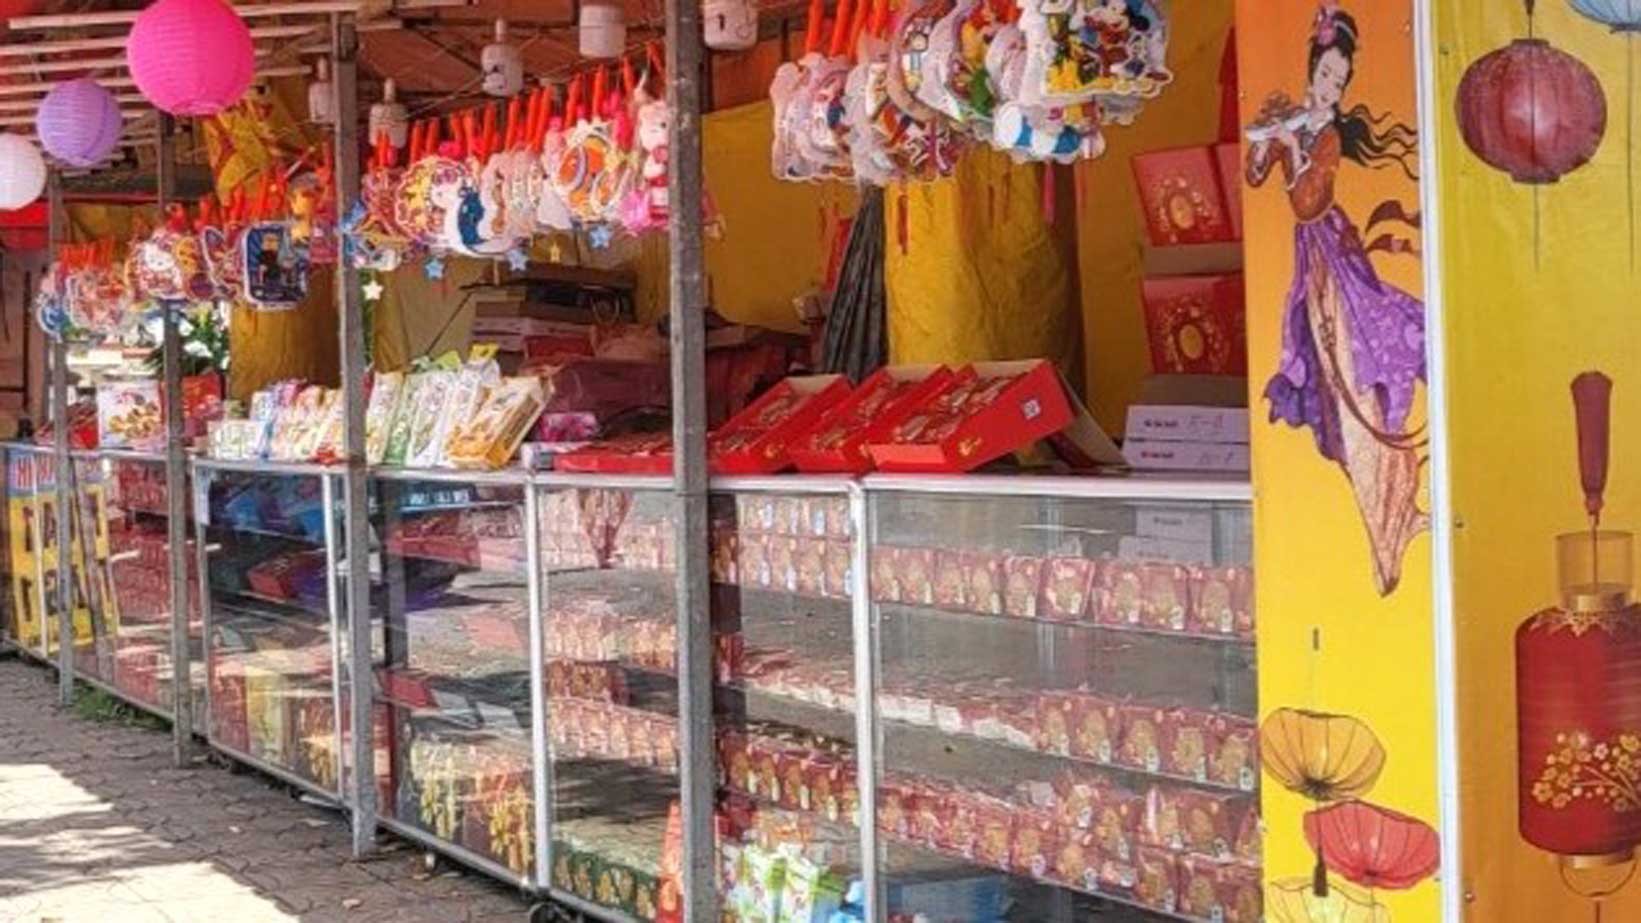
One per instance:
(1352,354)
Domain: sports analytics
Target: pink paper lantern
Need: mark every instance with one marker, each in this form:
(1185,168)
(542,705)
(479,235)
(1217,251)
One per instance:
(191,57)
(79,123)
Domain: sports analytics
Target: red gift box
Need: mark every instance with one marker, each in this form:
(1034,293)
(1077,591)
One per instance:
(1188,737)
(984,583)
(759,439)
(885,576)
(1036,840)
(1142,738)
(1197,325)
(1206,823)
(1181,196)
(1156,882)
(1234,761)
(635,453)
(837,442)
(950,584)
(1077,862)
(1055,716)
(1222,601)
(1095,728)
(1003,408)
(1023,584)
(1067,583)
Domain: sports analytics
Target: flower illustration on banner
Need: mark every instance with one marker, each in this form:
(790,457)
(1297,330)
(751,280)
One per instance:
(1353,352)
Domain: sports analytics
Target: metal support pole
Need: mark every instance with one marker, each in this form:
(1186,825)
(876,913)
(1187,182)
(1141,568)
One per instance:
(687,290)
(355,513)
(541,763)
(59,415)
(176,487)
(868,741)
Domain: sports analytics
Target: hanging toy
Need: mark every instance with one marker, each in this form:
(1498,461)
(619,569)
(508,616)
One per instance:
(275,266)
(551,213)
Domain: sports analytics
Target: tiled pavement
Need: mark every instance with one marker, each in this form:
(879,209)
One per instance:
(98,826)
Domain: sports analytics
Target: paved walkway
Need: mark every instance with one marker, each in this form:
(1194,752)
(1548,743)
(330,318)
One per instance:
(97,826)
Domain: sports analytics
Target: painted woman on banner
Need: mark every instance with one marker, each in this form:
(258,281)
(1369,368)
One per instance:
(1352,345)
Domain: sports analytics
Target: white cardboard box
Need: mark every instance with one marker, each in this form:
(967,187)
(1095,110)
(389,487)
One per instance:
(1172,551)
(1187,423)
(1154,455)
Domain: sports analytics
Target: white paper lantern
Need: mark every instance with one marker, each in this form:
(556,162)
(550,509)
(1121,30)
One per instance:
(22,172)
(503,64)
(729,25)
(603,31)
(390,116)
(322,95)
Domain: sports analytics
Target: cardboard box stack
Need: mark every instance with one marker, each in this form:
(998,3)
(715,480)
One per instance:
(1189,423)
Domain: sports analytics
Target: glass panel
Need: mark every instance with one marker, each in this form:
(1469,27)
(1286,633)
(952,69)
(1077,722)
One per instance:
(1067,707)
(785,699)
(610,640)
(453,675)
(88,523)
(80,602)
(26,533)
(270,641)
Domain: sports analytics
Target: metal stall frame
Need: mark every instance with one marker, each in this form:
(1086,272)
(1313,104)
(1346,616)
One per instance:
(326,474)
(13,450)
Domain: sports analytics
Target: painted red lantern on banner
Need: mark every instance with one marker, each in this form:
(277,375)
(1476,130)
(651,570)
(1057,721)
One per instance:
(1578,708)
(1532,110)
(1372,846)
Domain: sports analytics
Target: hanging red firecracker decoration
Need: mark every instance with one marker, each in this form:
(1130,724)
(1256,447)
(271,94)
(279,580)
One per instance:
(1578,705)
(1372,846)
(1532,110)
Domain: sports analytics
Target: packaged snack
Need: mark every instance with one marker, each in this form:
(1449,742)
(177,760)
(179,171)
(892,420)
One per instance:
(130,415)
(754,564)
(896,803)
(1241,895)
(1235,758)
(783,568)
(915,567)
(994,819)
(810,894)
(1142,740)
(1066,586)
(885,578)
(1119,593)
(810,564)
(839,564)
(328,447)
(725,551)
(1036,840)
(490,437)
(468,393)
(1249,847)
(984,583)
(386,391)
(1205,823)
(1095,728)
(430,420)
(1056,713)
(950,588)
(1199,895)
(1156,885)
(1186,740)
(398,440)
(1167,594)
(1023,586)
(1117,816)
(960,833)
(1222,601)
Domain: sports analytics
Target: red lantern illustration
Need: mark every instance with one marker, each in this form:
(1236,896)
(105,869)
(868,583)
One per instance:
(1578,701)
(1372,846)
(1531,110)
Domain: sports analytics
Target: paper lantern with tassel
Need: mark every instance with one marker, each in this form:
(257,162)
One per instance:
(191,57)
(390,116)
(1578,708)
(602,31)
(79,123)
(1372,846)
(22,172)
(322,95)
(1532,111)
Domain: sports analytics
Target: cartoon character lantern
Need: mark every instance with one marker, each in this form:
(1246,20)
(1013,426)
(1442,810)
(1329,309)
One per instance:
(1578,708)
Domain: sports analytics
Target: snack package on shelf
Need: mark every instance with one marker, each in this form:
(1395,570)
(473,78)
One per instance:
(431,418)
(474,380)
(404,420)
(490,436)
(759,439)
(130,415)
(989,410)
(634,453)
(386,391)
(838,440)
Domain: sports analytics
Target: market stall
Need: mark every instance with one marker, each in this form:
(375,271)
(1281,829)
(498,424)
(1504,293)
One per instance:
(867,617)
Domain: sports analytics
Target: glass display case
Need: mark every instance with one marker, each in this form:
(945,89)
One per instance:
(267,539)
(452,595)
(1065,700)
(610,651)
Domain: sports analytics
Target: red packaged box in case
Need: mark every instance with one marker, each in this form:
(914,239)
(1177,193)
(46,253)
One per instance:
(837,442)
(987,411)
(885,576)
(1066,586)
(915,569)
(635,453)
(1222,601)
(1056,713)
(950,582)
(983,583)
(840,564)
(1156,882)
(1181,196)
(1036,840)
(1142,737)
(1196,324)
(1096,728)
(1166,598)
(1228,159)
(1206,823)
(758,440)
(1023,585)
(1235,757)
(1187,739)
(897,802)
(1210,890)
(994,819)
(1077,862)
(1119,593)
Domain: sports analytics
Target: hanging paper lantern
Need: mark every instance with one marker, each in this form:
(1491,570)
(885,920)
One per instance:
(79,123)
(390,116)
(1620,15)
(1578,708)
(729,25)
(191,57)
(1531,110)
(22,172)
(503,64)
(1293,900)
(603,31)
(1373,846)
(1320,756)
(322,95)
